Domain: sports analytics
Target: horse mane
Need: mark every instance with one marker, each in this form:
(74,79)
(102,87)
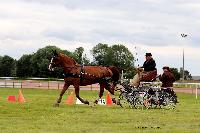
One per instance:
(69,58)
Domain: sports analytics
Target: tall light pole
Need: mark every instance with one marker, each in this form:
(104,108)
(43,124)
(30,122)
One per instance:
(136,57)
(183,65)
(183,36)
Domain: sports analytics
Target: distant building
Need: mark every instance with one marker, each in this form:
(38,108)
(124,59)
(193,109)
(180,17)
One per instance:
(196,77)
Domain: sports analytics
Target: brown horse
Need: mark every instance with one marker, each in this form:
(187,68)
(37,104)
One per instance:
(78,75)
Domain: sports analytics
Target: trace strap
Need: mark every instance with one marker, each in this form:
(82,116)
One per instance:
(81,76)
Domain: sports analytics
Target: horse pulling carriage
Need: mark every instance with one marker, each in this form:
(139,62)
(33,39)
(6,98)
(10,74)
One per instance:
(78,75)
(147,95)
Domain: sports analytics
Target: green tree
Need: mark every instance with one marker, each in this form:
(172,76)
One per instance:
(86,61)
(78,53)
(176,73)
(23,66)
(101,54)
(116,55)
(187,74)
(7,66)
(129,73)
(80,57)
(40,61)
(121,57)
(68,53)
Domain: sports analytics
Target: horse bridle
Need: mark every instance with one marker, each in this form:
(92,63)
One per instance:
(51,64)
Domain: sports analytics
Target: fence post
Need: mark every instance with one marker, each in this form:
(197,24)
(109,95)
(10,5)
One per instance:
(91,87)
(48,84)
(13,84)
(21,84)
(5,84)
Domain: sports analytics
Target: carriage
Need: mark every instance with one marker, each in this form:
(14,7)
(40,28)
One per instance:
(147,95)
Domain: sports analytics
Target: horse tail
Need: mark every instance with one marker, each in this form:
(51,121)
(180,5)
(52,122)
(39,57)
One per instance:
(114,78)
(116,73)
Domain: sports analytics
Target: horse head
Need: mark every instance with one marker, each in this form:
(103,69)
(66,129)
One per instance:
(54,61)
(60,60)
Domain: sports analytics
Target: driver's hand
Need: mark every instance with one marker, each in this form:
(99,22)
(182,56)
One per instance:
(140,69)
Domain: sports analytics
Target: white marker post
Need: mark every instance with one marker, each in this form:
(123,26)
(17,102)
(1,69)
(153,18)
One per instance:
(196,91)
(102,101)
(78,101)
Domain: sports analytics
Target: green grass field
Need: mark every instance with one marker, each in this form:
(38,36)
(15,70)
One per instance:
(38,115)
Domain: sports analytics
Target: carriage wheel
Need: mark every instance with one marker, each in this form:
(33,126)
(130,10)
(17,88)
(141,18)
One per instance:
(139,101)
(168,103)
(151,103)
(122,101)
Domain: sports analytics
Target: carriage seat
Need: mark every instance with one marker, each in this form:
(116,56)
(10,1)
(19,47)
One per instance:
(148,76)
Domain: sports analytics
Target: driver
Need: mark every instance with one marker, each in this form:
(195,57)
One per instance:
(147,72)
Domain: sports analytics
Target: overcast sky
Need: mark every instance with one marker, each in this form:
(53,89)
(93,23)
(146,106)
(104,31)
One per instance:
(149,25)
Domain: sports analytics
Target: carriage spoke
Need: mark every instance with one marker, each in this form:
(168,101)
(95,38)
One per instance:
(168,102)
(123,101)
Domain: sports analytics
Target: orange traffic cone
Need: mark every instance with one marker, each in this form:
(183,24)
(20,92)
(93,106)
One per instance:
(70,99)
(108,99)
(21,98)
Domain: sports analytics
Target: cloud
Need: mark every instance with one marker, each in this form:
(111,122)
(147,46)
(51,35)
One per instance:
(144,22)
(153,25)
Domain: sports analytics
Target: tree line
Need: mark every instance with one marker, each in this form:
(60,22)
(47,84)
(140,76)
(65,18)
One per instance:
(36,64)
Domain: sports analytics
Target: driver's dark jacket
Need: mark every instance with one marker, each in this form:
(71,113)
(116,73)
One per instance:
(149,65)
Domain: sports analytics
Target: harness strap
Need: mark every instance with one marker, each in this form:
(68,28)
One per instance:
(81,75)
(71,75)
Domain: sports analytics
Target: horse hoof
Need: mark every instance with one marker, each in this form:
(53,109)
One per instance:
(92,105)
(96,102)
(86,102)
(56,105)
(114,100)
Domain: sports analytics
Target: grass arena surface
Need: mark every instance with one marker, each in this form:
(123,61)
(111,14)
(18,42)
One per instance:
(38,115)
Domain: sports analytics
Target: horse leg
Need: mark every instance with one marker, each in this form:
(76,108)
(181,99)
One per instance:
(65,87)
(112,91)
(77,95)
(113,87)
(110,87)
(102,86)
